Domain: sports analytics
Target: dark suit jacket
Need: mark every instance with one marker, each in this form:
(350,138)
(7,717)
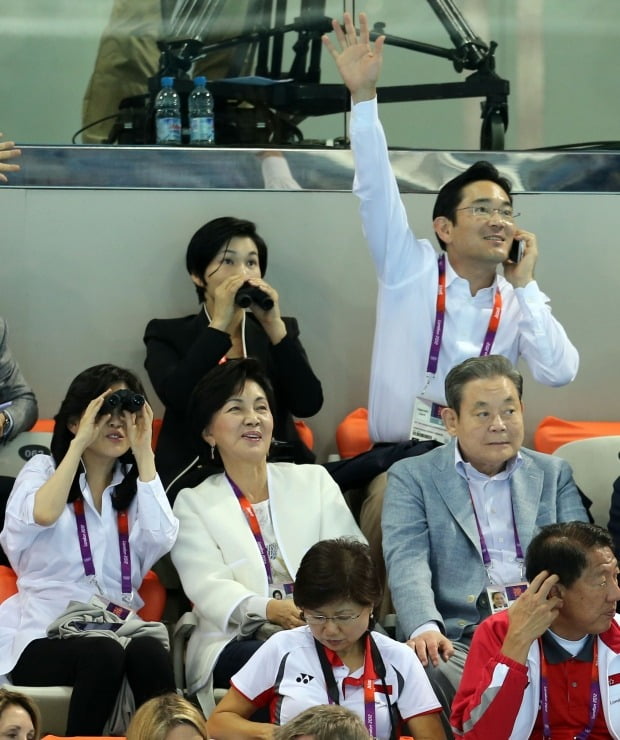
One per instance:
(179,352)
(14,388)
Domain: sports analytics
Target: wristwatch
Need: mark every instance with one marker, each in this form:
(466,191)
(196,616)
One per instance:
(5,424)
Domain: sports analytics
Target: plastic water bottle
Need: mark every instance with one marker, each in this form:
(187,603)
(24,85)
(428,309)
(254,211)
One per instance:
(168,113)
(200,108)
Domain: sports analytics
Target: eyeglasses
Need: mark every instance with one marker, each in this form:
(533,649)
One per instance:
(317,620)
(485,213)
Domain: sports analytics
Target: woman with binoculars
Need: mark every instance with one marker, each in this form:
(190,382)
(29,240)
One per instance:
(239,317)
(85,524)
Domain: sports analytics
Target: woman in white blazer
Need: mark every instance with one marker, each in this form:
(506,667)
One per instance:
(243,533)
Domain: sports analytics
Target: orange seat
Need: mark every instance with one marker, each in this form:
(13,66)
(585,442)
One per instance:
(553,432)
(156,431)
(153,594)
(8,582)
(305,433)
(352,437)
(44,425)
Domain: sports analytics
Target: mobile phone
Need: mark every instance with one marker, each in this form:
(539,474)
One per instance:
(517,249)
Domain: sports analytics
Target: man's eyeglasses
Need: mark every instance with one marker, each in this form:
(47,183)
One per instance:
(317,620)
(486,212)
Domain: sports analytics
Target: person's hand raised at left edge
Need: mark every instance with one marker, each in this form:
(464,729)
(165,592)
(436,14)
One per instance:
(8,151)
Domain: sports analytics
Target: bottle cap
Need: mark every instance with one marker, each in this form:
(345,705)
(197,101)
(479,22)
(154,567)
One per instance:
(167,81)
(200,81)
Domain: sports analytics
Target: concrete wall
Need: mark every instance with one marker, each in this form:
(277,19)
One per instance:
(83,271)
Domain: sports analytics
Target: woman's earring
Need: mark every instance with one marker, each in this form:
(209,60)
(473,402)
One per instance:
(213,452)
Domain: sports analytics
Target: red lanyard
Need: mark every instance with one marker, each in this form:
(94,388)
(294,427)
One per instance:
(252,520)
(123,546)
(367,680)
(595,694)
(440,315)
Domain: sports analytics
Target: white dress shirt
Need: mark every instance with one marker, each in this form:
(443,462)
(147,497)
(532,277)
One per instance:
(48,561)
(407,272)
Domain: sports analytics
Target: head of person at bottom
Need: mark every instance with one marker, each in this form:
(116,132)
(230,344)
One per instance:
(484,411)
(575,565)
(324,722)
(19,717)
(231,415)
(167,717)
(337,588)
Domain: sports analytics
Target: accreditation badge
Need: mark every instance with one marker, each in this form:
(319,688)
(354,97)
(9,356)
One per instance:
(501,596)
(427,422)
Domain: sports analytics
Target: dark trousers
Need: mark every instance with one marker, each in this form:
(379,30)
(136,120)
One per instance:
(232,658)
(95,667)
(359,471)
(6,484)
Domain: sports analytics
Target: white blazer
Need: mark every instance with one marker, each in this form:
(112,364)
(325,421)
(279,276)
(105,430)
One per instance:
(218,560)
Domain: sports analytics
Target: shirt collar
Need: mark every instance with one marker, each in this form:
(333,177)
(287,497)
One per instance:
(467,471)
(555,653)
(117,476)
(453,277)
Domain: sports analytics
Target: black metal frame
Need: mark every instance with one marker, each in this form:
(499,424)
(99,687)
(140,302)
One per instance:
(304,95)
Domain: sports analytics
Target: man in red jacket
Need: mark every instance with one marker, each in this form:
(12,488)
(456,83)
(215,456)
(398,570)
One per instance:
(549,666)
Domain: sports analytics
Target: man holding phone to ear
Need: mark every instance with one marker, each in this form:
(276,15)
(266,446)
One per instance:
(435,311)
(550,665)
(419,336)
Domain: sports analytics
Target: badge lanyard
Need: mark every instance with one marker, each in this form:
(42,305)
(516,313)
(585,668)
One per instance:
(486,557)
(123,546)
(250,515)
(595,694)
(368,682)
(440,315)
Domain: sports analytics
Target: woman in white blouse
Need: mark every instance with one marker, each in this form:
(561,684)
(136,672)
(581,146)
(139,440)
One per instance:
(87,521)
(243,533)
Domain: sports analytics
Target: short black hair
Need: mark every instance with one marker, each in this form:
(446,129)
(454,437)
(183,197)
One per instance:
(210,238)
(334,570)
(474,368)
(451,194)
(212,392)
(563,548)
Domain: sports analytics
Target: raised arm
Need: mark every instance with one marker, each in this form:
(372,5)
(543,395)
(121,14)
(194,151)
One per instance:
(51,498)
(359,62)
(495,676)
(397,254)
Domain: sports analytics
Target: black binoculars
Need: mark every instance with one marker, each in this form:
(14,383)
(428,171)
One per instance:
(122,400)
(248,294)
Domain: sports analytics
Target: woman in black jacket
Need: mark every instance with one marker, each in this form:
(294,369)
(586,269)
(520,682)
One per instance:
(222,256)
